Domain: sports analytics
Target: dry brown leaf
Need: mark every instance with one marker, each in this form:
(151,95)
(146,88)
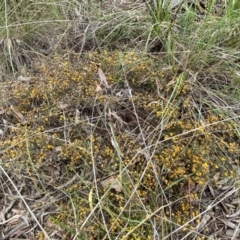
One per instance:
(171,82)
(24,79)
(212,191)
(112,183)
(77,12)
(2,111)
(62,106)
(5,122)
(103,79)
(58,149)
(216,176)
(159,87)
(98,88)
(17,114)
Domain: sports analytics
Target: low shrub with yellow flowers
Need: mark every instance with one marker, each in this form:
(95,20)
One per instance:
(136,122)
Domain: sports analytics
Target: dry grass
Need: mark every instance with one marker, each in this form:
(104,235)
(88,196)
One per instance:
(128,156)
(116,144)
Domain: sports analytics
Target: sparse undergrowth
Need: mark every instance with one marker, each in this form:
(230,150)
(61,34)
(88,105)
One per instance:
(114,144)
